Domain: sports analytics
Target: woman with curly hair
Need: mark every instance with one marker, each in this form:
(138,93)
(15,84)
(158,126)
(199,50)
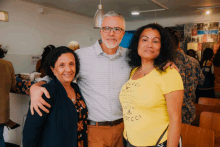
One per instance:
(152,98)
(216,63)
(66,123)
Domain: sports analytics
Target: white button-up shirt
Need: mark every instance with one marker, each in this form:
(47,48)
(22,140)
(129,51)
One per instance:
(100,79)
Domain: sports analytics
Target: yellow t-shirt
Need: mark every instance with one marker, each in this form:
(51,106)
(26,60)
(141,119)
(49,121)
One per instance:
(144,106)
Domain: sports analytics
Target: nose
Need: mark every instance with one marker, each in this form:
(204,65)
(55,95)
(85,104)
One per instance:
(111,32)
(150,43)
(68,68)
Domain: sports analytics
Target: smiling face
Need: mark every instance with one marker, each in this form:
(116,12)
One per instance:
(112,40)
(149,44)
(65,68)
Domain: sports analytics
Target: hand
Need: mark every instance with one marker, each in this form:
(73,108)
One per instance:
(172,65)
(37,101)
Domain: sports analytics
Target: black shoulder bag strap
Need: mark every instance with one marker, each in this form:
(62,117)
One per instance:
(158,141)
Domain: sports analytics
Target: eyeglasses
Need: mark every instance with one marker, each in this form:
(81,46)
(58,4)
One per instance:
(117,30)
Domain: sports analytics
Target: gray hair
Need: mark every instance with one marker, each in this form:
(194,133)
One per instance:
(114,14)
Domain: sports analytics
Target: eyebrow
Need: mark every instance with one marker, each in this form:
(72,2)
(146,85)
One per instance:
(148,37)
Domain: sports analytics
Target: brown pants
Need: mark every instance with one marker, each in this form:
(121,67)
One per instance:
(105,136)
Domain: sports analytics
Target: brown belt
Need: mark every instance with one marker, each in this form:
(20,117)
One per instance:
(105,123)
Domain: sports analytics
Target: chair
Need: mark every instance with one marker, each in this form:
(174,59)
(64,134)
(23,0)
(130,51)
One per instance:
(210,120)
(193,136)
(209,101)
(201,108)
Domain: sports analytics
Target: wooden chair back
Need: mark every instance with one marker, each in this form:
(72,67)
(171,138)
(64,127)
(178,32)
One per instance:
(209,101)
(210,120)
(201,108)
(193,136)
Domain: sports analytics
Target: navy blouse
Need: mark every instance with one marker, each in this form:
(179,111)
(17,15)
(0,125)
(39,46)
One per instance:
(58,128)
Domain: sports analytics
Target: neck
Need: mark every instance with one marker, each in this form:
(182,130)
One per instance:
(107,50)
(146,64)
(66,85)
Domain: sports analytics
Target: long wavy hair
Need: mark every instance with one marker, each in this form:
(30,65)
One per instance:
(167,50)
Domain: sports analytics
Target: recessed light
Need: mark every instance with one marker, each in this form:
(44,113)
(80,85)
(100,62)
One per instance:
(135,13)
(207,12)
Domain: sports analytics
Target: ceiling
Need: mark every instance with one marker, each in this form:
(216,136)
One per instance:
(177,8)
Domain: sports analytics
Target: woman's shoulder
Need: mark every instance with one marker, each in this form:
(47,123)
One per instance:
(169,72)
(51,86)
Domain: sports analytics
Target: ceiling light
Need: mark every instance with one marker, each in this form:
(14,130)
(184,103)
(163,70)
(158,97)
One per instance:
(207,12)
(98,17)
(135,13)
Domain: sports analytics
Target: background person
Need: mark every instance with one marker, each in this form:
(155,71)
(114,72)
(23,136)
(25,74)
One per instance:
(207,88)
(73,45)
(66,124)
(40,63)
(7,82)
(152,98)
(216,63)
(192,76)
(191,53)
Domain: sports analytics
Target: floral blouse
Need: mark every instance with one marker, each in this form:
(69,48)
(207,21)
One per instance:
(82,121)
(191,74)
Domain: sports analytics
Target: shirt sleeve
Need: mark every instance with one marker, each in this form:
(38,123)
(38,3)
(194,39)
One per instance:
(171,81)
(34,125)
(46,79)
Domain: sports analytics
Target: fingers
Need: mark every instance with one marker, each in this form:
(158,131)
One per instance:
(46,92)
(167,65)
(43,108)
(32,110)
(37,110)
(43,102)
(172,65)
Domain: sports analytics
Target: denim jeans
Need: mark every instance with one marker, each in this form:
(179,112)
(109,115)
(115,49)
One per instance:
(2,142)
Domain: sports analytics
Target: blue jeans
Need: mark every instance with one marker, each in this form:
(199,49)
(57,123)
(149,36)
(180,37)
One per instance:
(2,142)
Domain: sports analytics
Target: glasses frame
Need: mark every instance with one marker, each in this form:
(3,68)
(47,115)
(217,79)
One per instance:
(113,29)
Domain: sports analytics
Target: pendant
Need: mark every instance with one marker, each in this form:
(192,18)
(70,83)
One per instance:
(73,100)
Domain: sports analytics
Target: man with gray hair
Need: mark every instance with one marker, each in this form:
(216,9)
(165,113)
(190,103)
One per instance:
(103,71)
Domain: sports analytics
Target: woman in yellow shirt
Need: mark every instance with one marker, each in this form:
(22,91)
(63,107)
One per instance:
(152,97)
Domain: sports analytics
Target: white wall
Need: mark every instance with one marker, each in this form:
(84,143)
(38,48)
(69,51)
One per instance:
(26,33)
(172,21)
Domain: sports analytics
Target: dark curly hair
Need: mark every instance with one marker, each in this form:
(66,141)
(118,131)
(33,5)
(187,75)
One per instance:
(54,55)
(47,50)
(167,50)
(216,59)
(3,52)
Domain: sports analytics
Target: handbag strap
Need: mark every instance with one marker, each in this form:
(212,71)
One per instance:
(158,141)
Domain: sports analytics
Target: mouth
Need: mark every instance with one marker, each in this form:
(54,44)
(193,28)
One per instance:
(68,75)
(148,51)
(111,39)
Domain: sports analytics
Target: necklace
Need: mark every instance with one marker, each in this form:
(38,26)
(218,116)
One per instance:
(148,70)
